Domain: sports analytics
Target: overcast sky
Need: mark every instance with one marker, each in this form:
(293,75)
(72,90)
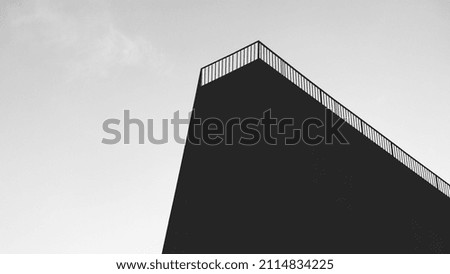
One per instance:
(66,66)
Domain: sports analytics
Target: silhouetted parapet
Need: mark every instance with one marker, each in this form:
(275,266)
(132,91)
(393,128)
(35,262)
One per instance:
(368,196)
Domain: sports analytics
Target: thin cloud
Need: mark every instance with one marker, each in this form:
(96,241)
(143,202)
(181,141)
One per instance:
(86,46)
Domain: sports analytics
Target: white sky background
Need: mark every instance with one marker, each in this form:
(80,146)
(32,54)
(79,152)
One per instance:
(66,66)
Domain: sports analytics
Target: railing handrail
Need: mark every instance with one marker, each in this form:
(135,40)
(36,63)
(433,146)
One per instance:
(223,58)
(341,104)
(212,72)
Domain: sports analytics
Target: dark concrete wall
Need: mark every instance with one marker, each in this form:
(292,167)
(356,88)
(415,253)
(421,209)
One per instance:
(297,199)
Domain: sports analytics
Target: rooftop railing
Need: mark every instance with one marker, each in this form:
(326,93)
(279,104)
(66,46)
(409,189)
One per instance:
(258,50)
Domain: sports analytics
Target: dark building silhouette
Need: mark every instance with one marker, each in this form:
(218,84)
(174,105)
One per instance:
(365,197)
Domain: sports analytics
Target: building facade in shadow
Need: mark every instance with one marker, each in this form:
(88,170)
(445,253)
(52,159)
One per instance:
(367,196)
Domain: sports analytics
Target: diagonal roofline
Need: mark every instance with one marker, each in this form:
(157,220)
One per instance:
(258,51)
